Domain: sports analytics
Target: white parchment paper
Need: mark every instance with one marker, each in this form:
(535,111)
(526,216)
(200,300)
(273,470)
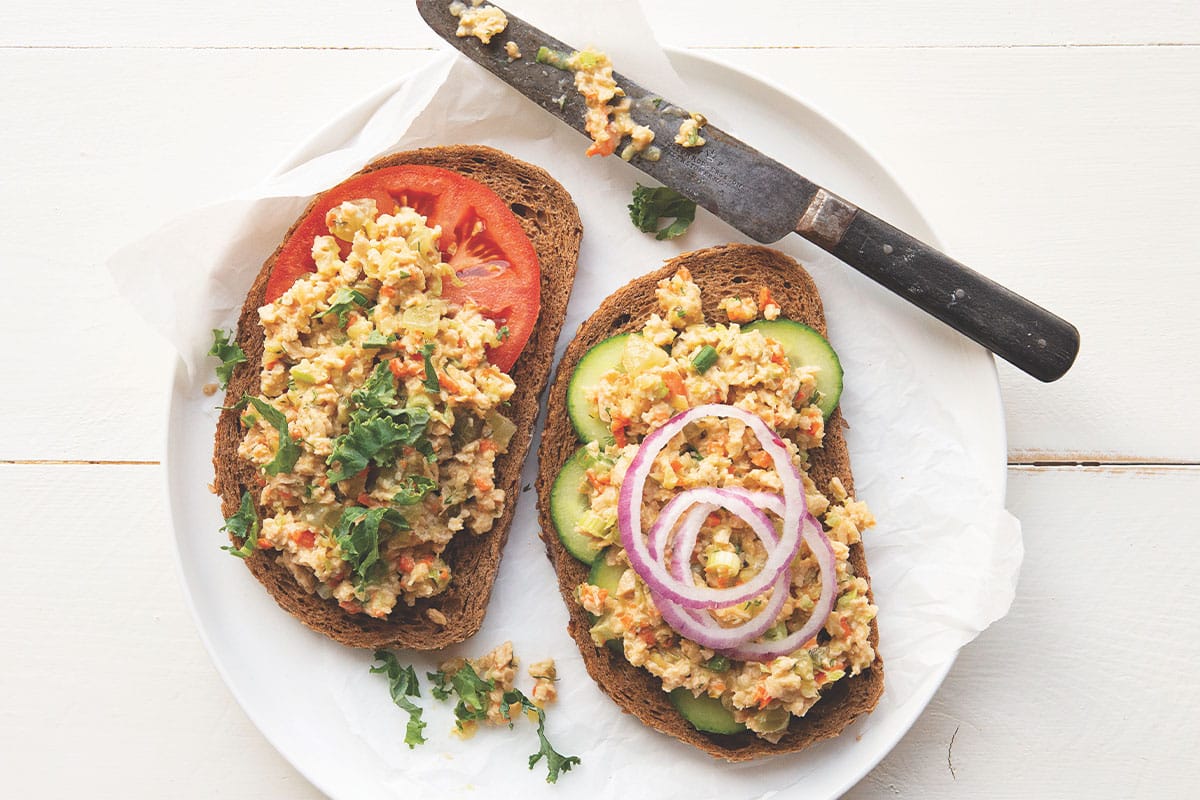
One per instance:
(944,558)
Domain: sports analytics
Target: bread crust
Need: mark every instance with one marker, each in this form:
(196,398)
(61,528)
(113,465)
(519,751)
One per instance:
(551,220)
(718,271)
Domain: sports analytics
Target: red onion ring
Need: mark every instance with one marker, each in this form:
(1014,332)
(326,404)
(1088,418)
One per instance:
(629,513)
(698,625)
(814,536)
(735,642)
(735,502)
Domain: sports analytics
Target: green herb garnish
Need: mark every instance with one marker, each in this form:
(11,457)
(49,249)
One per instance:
(473,699)
(244,525)
(357,536)
(431,378)
(649,205)
(375,438)
(555,762)
(288,452)
(503,333)
(413,489)
(230,354)
(379,390)
(441,688)
(376,340)
(344,300)
(471,689)
(403,684)
(377,429)
(704,359)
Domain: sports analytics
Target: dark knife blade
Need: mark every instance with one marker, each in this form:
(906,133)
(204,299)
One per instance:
(766,201)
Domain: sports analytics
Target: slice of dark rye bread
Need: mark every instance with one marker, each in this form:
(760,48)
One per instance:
(551,221)
(719,271)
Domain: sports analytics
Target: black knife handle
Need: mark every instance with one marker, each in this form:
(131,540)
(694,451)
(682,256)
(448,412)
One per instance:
(1021,332)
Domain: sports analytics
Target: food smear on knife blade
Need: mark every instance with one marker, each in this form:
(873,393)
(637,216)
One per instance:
(478,20)
(605,122)
(689,131)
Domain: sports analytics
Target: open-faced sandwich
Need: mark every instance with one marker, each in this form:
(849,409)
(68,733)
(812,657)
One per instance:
(708,540)
(395,346)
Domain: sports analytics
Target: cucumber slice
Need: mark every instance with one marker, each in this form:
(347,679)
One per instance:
(807,348)
(605,575)
(600,359)
(568,504)
(705,713)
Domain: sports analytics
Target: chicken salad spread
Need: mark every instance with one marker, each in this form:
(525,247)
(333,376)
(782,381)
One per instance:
(379,416)
(679,360)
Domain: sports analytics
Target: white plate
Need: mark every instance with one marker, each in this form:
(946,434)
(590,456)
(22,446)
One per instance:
(315,701)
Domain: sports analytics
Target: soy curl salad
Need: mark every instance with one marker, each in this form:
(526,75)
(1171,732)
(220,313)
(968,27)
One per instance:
(379,416)
(718,565)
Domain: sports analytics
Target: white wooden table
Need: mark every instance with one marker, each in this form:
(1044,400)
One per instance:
(1054,145)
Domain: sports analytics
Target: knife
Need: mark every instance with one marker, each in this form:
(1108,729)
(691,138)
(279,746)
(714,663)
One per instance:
(766,201)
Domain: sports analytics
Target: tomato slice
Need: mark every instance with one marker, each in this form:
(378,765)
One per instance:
(481,239)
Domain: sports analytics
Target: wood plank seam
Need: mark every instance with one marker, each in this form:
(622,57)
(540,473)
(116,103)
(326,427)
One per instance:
(41,462)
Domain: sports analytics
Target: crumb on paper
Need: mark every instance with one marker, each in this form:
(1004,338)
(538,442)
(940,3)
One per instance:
(435,616)
(212,488)
(544,675)
(465,729)
(209,389)
(498,666)
(510,48)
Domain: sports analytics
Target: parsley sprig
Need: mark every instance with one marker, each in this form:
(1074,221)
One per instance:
(403,685)
(344,300)
(378,429)
(288,452)
(357,535)
(431,379)
(651,204)
(556,762)
(244,525)
(230,354)
(472,704)
(413,489)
